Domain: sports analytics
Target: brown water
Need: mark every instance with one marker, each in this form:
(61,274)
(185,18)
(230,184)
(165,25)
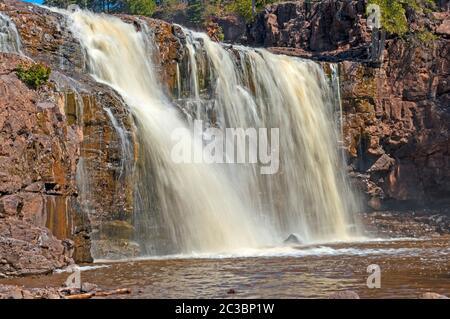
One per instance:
(408,268)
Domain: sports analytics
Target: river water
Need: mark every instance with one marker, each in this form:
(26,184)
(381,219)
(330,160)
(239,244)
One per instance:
(408,269)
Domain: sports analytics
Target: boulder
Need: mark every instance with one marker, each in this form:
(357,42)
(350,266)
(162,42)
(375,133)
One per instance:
(344,295)
(30,250)
(432,295)
(17,292)
(444,28)
(293,239)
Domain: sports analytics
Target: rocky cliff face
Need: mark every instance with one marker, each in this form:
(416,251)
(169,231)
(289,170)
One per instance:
(37,165)
(312,26)
(397,125)
(396,116)
(65,174)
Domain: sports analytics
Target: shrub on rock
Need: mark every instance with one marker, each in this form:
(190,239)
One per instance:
(34,76)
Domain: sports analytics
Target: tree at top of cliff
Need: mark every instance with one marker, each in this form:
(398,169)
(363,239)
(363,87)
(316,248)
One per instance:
(139,7)
(195,11)
(247,8)
(394,19)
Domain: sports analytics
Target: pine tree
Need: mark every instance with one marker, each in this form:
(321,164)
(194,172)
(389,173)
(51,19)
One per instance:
(195,12)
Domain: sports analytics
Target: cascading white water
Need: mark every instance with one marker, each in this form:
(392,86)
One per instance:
(184,208)
(253,88)
(9,37)
(198,208)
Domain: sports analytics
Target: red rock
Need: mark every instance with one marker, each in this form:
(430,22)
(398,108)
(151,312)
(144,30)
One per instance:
(29,250)
(344,295)
(444,28)
(16,292)
(10,205)
(432,295)
(307,26)
(384,163)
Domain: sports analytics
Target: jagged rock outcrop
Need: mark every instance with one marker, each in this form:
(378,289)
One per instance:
(65,174)
(233,26)
(312,26)
(397,124)
(332,30)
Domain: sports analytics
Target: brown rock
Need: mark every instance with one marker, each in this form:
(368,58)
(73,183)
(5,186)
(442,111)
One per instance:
(384,163)
(344,295)
(233,27)
(396,127)
(61,158)
(307,26)
(16,292)
(10,205)
(29,250)
(444,28)
(88,287)
(432,295)
(375,203)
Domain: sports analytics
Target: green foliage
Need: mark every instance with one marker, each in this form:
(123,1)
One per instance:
(199,12)
(195,12)
(221,35)
(34,76)
(141,7)
(59,3)
(172,5)
(245,7)
(393,13)
(393,16)
(213,8)
(426,36)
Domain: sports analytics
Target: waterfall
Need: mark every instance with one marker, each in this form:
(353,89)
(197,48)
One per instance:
(196,207)
(9,37)
(310,196)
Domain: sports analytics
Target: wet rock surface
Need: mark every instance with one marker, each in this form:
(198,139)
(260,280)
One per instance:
(408,224)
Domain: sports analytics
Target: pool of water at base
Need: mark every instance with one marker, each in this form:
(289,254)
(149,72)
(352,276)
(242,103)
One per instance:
(408,269)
